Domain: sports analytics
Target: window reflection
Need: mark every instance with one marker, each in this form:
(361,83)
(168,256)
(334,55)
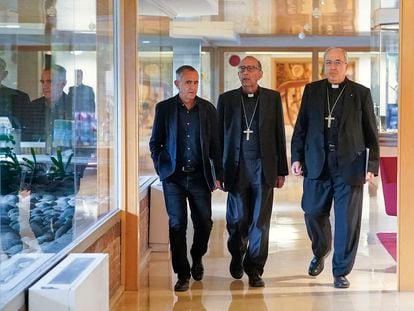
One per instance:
(57,130)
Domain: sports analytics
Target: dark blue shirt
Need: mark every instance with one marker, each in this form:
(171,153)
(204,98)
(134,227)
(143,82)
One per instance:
(188,147)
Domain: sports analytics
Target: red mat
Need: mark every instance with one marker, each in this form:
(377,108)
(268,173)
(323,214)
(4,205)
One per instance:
(389,241)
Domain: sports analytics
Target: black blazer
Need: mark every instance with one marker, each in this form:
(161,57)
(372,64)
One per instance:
(33,117)
(163,141)
(271,134)
(12,103)
(357,132)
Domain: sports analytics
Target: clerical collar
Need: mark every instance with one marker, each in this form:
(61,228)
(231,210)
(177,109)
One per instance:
(337,86)
(251,95)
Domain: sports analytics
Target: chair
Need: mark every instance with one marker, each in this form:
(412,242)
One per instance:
(388,169)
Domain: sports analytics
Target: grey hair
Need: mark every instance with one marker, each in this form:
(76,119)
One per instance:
(344,52)
(182,68)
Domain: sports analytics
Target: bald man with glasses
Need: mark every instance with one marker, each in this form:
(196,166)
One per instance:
(335,147)
(253,142)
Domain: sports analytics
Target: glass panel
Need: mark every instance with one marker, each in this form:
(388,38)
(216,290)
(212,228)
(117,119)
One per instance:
(155,76)
(385,43)
(58,129)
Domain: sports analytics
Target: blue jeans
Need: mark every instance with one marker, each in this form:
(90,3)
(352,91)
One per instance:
(178,189)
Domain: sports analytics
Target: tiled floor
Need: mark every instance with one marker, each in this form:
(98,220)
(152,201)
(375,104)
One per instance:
(288,287)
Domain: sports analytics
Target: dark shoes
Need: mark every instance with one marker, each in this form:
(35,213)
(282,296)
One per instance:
(197,270)
(341,282)
(182,285)
(316,266)
(256,281)
(236,268)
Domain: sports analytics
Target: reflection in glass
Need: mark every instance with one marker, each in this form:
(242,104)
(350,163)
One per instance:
(58,131)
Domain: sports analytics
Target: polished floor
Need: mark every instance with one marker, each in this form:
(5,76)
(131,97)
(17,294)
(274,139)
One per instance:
(288,287)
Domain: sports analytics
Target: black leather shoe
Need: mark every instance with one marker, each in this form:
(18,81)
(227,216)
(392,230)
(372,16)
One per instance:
(256,281)
(341,282)
(197,270)
(182,285)
(236,268)
(316,266)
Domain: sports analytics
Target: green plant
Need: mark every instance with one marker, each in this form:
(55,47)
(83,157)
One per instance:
(27,174)
(59,169)
(10,168)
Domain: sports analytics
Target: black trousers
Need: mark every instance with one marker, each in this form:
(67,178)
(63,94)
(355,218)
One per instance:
(249,209)
(178,189)
(318,195)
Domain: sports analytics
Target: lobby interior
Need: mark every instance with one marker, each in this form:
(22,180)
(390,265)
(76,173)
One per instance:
(130,59)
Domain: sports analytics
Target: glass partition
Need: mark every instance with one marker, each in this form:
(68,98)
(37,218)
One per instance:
(58,129)
(385,43)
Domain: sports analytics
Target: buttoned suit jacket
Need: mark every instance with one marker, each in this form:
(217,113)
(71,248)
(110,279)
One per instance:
(164,138)
(33,117)
(357,132)
(82,98)
(272,139)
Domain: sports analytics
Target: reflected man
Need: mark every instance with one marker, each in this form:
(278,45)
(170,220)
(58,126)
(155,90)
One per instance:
(12,101)
(40,121)
(82,99)
(81,96)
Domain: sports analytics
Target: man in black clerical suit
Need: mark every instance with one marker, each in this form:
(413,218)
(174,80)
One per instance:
(335,147)
(185,150)
(12,101)
(254,162)
(39,119)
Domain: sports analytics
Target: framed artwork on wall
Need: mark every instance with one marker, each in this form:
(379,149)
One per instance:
(290,77)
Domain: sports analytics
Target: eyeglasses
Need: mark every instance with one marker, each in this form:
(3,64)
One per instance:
(248,68)
(337,62)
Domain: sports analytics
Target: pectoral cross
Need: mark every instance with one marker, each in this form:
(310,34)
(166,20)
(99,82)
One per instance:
(330,118)
(248,131)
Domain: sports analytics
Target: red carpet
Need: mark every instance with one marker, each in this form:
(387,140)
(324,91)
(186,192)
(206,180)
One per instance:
(389,241)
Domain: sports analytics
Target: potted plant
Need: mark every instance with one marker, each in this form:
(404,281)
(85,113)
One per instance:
(27,174)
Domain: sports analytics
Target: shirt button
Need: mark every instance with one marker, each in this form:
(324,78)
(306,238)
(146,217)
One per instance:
(188,135)
(188,148)
(188,123)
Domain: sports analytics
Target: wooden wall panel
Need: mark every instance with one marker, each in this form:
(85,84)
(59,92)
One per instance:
(406,149)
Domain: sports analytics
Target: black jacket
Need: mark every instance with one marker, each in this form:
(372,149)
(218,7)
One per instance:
(357,132)
(271,134)
(163,142)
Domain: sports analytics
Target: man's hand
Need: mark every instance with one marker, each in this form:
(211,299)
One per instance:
(218,185)
(370,177)
(280,181)
(297,168)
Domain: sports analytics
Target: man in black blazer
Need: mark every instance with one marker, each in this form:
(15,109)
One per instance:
(81,96)
(254,161)
(40,116)
(335,146)
(185,150)
(12,101)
